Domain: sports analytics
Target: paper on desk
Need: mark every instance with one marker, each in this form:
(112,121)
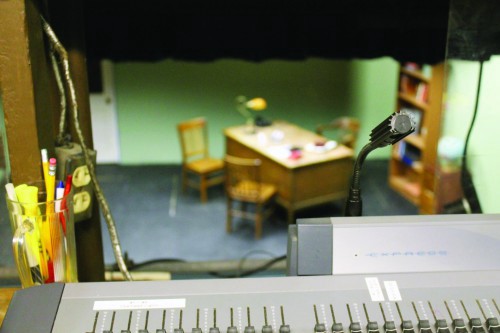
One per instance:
(312,147)
(280,152)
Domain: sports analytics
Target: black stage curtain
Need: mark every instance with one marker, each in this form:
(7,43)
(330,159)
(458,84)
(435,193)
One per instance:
(255,31)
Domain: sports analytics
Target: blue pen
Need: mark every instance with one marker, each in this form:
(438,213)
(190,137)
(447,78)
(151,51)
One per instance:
(59,194)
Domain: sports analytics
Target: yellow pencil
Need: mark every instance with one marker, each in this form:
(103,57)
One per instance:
(50,185)
(45,166)
(50,188)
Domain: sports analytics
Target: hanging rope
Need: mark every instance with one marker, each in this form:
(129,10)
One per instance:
(63,56)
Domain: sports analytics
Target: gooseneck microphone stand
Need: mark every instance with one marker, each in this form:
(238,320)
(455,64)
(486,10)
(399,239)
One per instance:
(391,130)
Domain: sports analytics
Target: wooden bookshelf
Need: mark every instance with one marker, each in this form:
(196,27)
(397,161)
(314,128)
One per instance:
(412,170)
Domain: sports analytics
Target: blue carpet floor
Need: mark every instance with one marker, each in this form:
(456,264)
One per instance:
(155,220)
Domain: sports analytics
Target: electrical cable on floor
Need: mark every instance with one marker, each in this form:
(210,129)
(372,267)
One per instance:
(248,254)
(240,273)
(63,55)
(262,268)
(153,262)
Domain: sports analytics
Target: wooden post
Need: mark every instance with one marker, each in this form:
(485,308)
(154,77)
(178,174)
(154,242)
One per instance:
(26,84)
(31,105)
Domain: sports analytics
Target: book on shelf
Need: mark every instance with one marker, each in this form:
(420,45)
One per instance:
(408,85)
(427,71)
(401,147)
(414,88)
(411,66)
(408,154)
(424,69)
(413,189)
(404,83)
(422,92)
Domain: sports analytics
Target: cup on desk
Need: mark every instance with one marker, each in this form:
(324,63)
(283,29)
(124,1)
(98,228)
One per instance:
(295,153)
(277,136)
(43,241)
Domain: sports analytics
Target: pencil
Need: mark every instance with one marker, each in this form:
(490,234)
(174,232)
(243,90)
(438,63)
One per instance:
(45,166)
(49,238)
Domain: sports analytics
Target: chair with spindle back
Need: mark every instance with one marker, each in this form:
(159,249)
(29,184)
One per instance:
(344,130)
(243,186)
(195,158)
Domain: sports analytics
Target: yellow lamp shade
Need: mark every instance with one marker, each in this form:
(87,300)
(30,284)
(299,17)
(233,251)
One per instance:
(256,104)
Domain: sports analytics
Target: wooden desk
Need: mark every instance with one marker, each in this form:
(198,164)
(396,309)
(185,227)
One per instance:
(315,178)
(5,297)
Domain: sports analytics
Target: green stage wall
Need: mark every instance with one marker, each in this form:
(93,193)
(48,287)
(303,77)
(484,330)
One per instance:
(483,157)
(153,97)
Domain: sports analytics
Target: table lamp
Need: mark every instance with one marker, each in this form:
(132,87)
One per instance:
(245,106)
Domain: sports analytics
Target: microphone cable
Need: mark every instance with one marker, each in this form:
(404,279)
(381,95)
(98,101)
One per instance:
(470,199)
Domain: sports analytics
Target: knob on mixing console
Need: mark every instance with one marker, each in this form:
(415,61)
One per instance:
(214,329)
(232,328)
(266,328)
(249,328)
(197,329)
(440,324)
(372,326)
(406,325)
(95,322)
(389,325)
(423,325)
(179,329)
(162,329)
(354,326)
(491,322)
(318,327)
(492,325)
(459,326)
(128,324)
(145,329)
(475,325)
(283,328)
(336,327)
(112,324)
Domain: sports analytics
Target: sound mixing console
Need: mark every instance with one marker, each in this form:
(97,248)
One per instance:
(446,302)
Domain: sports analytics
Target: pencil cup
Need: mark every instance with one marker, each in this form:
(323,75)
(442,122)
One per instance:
(44,238)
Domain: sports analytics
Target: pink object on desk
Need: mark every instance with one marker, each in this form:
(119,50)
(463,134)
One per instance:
(295,154)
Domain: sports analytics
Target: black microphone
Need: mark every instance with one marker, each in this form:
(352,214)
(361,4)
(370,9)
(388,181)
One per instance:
(391,130)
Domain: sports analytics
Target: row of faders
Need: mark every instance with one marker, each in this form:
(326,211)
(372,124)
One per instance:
(447,302)
(458,325)
(266,328)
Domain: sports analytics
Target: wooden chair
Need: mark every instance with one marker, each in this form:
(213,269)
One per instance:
(345,130)
(243,186)
(195,158)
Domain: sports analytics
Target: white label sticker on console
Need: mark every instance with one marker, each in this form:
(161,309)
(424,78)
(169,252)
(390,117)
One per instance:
(392,289)
(140,304)
(374,288)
